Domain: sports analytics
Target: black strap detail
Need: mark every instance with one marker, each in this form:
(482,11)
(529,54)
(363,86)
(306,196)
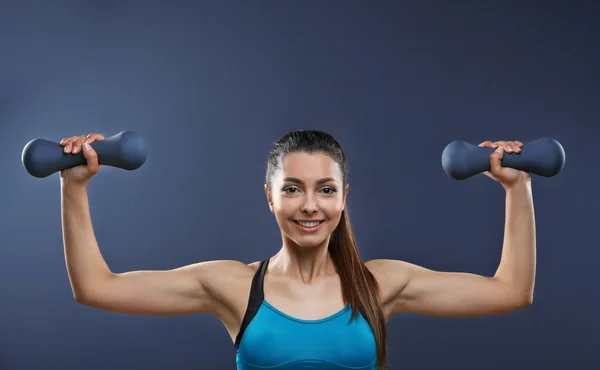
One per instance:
(257,295)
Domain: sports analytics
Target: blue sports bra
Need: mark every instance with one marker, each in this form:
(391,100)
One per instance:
(276,341)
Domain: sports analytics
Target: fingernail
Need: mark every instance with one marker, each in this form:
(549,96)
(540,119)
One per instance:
(67,148)
(86,146)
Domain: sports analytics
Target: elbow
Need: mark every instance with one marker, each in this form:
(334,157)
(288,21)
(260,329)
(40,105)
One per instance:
(528,301)
(518,297)
(86,295)
(88,292)
(88,299)
(80,292)
(523,302)
(81,297)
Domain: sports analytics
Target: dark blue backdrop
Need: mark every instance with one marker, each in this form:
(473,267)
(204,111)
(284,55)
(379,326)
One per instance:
(213,85)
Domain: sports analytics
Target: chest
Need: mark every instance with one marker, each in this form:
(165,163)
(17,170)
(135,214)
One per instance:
(305,301)
(279,341)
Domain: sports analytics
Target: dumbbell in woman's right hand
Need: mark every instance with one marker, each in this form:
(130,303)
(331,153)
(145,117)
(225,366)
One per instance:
(80,175)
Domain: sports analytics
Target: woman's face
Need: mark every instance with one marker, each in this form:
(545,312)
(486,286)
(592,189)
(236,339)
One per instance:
(307,197)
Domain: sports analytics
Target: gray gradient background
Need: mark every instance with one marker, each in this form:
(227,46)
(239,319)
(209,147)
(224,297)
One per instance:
(213,85)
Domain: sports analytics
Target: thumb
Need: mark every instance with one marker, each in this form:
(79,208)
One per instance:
(91,157)
(495,158)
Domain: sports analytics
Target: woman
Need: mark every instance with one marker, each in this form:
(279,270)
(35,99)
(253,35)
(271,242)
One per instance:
(314,304)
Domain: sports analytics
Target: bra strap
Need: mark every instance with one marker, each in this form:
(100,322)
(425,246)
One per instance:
(257,295)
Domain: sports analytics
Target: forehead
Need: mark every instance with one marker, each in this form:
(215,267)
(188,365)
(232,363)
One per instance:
(310,167)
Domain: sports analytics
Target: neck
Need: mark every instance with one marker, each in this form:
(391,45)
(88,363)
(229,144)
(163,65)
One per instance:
(304,263)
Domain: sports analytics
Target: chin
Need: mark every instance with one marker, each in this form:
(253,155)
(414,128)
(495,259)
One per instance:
(309,241)
(305,241)
(309,244)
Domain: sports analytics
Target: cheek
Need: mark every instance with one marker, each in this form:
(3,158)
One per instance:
(336,216)
(284,208)
(333,206)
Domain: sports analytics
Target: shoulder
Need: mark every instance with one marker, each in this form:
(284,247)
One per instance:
(391,275)
(226,281)
(226,267)
(221,274)
(384,267)
(226,284)
(253,266)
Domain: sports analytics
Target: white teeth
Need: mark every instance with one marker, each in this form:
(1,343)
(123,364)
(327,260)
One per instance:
(309,224)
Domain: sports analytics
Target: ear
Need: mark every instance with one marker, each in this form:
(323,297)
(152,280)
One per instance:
(269,199)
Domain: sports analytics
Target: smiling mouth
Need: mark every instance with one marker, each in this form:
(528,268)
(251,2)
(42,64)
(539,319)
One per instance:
(309,224)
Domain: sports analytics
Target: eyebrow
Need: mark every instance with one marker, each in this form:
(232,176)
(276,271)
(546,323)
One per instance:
(298,181)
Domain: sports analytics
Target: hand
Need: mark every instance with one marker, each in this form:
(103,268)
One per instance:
(504,175)
(80,175)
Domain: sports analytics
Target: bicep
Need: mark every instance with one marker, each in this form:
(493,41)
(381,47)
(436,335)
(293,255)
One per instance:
(163,293)
(454,294)
(411,288)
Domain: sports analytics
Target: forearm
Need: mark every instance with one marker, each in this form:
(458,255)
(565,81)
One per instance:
(85,264)
(518,262)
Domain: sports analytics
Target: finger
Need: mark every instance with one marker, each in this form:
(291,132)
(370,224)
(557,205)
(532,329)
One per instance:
(515,146)
(92,138)
(495,161)
(69,143)
(77,143)
(499,143)
(486,144)
(508,146)
(91,157)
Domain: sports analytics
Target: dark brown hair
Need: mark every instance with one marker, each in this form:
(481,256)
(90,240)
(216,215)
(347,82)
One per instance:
(359,287)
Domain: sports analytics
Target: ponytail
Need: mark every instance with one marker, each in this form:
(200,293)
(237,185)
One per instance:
(359,287)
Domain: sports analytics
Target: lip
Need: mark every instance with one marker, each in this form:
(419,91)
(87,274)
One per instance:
(308,229)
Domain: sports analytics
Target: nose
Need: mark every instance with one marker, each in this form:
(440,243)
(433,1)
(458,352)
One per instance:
(310,205)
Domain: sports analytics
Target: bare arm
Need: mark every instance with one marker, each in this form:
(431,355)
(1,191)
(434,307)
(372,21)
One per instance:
(178,291)
(216,287)
(411,288)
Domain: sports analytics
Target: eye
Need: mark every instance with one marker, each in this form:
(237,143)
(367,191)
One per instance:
(290,190)
(329,190)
